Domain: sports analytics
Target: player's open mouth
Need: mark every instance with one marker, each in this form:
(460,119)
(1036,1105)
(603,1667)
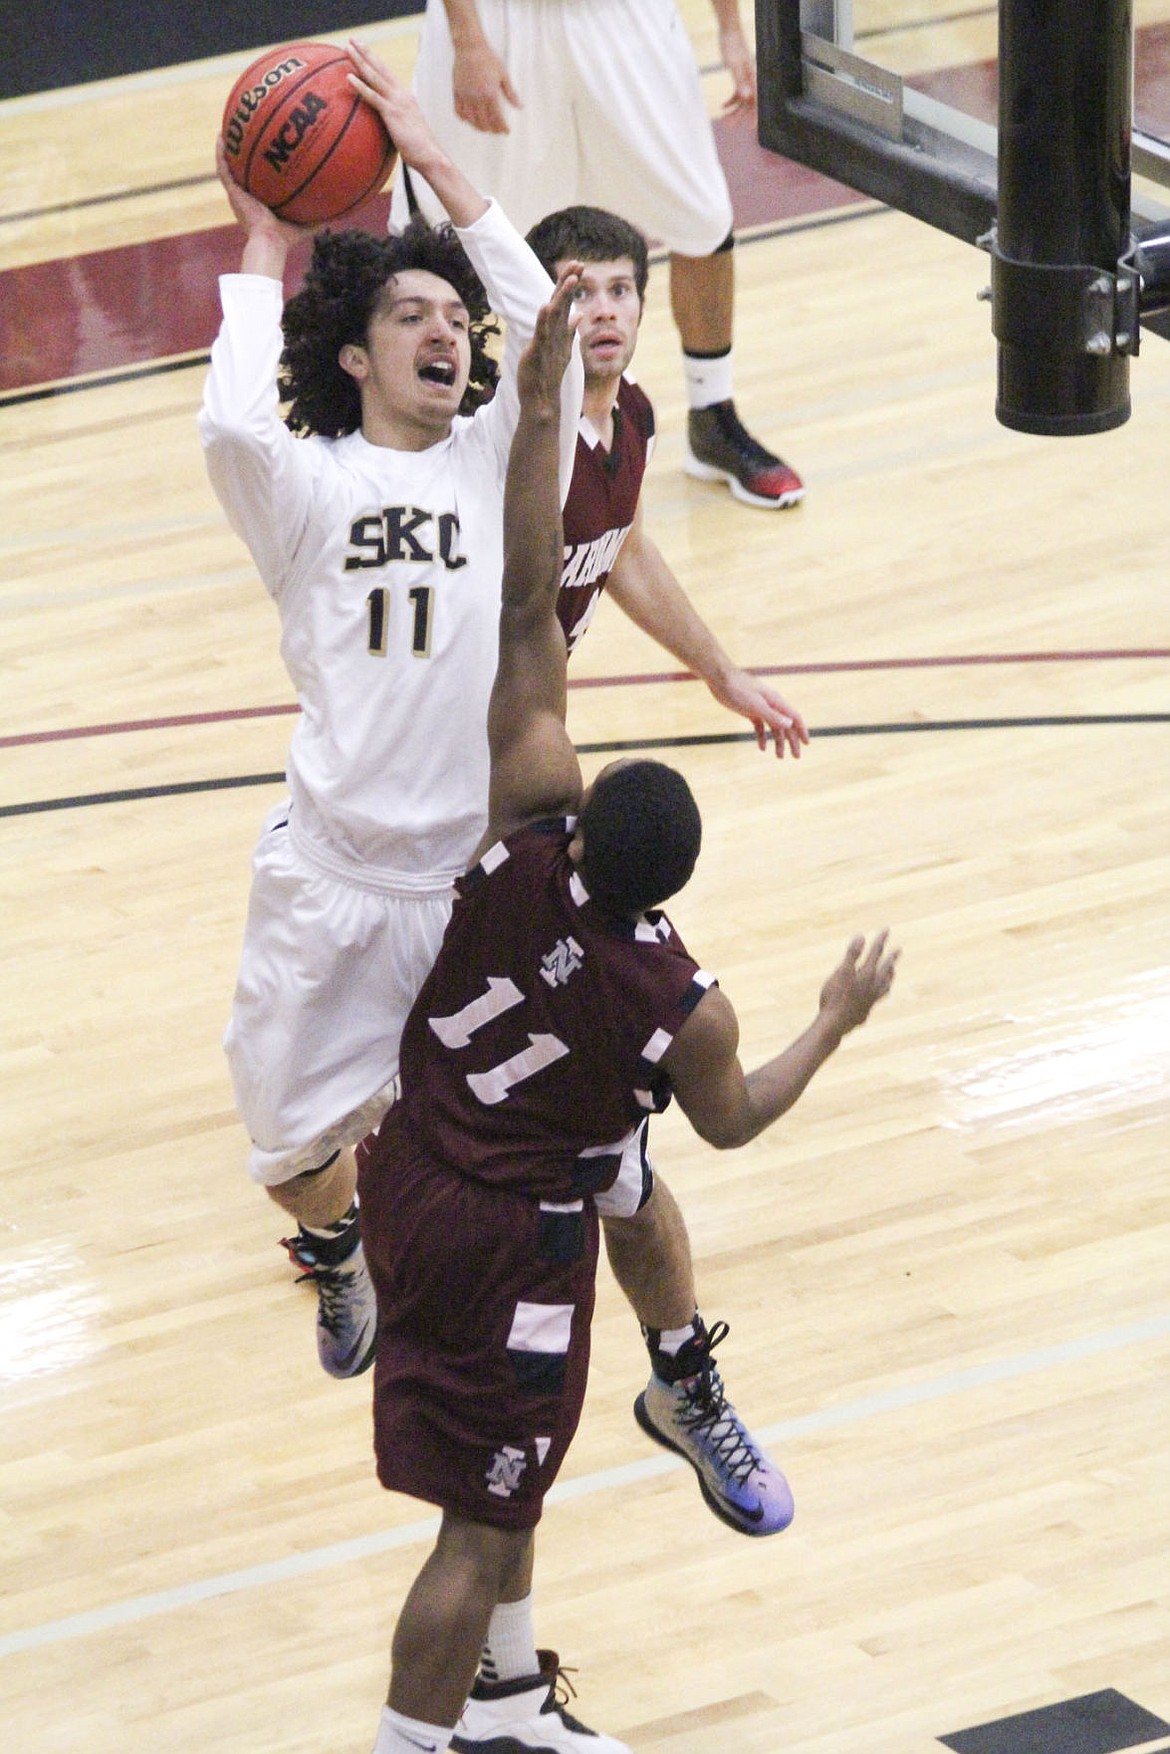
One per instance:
(438,371)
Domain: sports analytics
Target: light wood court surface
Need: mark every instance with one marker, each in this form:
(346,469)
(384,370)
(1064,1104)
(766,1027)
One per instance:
(946,1273)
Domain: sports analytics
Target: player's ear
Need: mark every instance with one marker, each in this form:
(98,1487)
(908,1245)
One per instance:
(354,360)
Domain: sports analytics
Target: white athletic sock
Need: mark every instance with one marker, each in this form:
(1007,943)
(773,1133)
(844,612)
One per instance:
(408,1735)
(509,1650)
(708,379)
(672,1340)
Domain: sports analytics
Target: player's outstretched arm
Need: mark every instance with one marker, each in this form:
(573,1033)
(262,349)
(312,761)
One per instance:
(534,768)
(728,1107)
(643,585)
(411,134)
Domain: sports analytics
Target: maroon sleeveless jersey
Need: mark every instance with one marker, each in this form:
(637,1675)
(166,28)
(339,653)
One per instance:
(533,1050)
(603,499)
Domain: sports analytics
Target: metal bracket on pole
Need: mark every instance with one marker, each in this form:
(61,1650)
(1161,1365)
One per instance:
(1093,310)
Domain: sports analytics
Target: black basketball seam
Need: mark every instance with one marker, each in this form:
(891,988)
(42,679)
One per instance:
(319,167)
(283,92)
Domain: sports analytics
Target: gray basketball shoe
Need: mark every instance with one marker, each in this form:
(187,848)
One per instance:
(347,1314)
(692,1416)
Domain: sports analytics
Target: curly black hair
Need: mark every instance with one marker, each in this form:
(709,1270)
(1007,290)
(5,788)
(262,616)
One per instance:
(591,234)
(334,307)
(641,831)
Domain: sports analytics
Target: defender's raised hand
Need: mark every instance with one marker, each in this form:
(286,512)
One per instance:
(543,362)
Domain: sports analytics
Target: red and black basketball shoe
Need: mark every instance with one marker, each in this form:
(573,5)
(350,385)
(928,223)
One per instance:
(720,448)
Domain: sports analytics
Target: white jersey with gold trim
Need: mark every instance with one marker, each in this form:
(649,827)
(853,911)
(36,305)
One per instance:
(385,567)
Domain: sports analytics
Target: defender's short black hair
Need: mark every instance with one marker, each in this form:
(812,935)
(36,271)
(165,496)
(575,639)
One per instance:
(341,292)
(641,831)
(591,234)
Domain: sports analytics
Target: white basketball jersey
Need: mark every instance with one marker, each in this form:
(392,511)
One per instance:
(385,567)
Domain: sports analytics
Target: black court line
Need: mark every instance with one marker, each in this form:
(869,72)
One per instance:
(152,369)
(155,368)
(621,746)
(137,794)
(84,201)
(636,679)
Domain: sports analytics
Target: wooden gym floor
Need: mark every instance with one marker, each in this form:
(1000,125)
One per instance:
(945,1273)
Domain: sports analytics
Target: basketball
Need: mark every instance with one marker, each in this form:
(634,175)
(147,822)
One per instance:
(300,139)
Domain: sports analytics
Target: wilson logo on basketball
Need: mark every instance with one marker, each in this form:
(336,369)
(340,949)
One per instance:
(292,132)
(249,102)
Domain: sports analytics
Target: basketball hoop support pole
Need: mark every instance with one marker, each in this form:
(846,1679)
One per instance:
(1065,309)
(1079,268)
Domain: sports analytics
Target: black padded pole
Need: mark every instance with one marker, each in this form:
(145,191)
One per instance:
(1064,315)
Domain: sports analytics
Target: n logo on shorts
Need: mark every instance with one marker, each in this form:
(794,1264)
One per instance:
(504,1471)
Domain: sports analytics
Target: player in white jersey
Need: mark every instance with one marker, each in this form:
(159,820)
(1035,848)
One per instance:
(558,102)
(379,536)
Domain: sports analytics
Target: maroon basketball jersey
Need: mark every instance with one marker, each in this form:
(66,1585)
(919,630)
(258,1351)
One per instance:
(600,508)
(534,1048)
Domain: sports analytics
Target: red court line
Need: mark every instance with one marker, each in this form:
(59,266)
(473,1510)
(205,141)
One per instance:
(642,679)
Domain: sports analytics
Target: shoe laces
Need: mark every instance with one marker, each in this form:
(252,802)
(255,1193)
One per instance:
(709,1415)
(561,1690)
(330,1281)
(332,1290)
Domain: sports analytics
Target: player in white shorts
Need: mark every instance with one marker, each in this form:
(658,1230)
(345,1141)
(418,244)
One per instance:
(380,538)
(557,102)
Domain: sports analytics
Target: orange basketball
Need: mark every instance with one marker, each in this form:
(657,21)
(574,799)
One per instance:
(300,138)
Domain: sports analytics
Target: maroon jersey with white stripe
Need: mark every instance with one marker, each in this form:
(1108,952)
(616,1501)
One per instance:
(533,1050)
(603,498)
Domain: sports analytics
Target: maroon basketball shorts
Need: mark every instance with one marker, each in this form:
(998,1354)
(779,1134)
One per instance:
(485,1298)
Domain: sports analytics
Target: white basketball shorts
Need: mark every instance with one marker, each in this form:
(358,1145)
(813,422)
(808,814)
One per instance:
(328,972)
(612,115)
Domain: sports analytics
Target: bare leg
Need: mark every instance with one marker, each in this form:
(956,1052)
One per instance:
(650,1255)
(321,1197)
(719,446)
(441,1629)
(702,300)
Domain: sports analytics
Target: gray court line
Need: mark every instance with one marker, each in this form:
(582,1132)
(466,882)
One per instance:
(588,1486)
